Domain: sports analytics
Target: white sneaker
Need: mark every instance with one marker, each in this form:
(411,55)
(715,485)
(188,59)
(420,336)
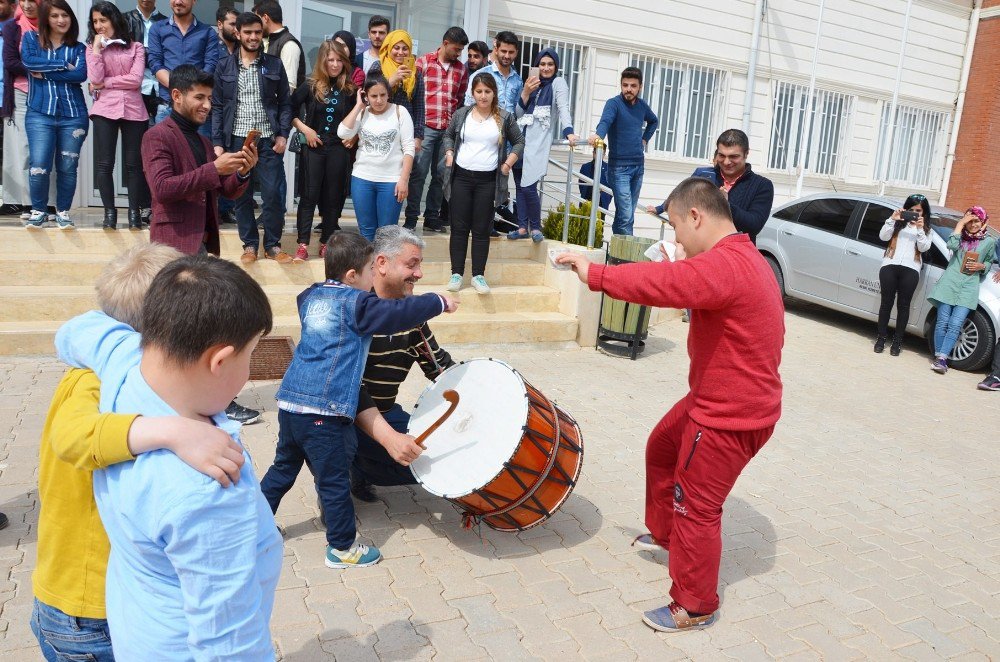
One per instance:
(64,221)
(454,283)
(36,220)
(480,285)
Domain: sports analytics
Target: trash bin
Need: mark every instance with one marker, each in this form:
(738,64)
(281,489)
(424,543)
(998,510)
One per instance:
(624,326)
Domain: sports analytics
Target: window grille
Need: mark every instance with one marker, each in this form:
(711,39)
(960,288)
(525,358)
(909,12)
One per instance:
(916,156)
(825,145)
(689,101)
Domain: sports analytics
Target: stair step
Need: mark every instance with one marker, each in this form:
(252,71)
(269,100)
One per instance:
(52,241)
(35,337)
(25,303)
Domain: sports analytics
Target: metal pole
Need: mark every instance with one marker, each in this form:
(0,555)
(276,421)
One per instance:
(759,11)
(569,194)
(891,120)
(803,159)
(960,106)
(595,198)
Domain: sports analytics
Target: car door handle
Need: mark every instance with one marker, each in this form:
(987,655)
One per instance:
(850,252)
(788,232)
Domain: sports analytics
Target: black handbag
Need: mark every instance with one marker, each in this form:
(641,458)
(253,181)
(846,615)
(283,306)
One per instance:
(297,142)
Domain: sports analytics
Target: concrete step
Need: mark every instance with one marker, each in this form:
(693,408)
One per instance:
(26,303)
(37,337)
(52,241)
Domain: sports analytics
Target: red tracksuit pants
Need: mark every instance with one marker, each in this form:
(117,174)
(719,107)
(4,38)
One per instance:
(690,470)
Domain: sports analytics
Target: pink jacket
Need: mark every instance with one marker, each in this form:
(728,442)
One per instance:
(121,70)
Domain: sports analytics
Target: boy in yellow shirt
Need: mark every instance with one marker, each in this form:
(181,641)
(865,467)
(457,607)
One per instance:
(68,582)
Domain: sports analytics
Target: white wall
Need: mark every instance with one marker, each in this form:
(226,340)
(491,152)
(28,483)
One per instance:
(858,54)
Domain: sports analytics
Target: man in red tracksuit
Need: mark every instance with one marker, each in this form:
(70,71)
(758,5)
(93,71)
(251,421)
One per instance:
(697,451)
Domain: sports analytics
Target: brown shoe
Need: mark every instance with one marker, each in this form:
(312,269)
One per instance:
(275,253)
(249,255)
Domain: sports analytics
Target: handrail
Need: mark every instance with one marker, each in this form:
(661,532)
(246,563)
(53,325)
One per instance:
(573,177)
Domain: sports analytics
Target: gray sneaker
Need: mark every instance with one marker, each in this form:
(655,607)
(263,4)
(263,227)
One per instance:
(454,283)
(63,221)
(480,285)
(36,220)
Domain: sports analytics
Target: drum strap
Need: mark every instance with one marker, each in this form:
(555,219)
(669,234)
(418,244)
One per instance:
(428,351)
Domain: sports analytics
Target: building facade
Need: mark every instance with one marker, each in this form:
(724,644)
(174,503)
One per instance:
(814,82)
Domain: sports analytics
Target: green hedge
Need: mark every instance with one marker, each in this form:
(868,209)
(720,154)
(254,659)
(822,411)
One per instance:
(579,224)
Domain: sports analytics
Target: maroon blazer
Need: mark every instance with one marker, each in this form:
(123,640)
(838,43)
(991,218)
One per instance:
(183,191)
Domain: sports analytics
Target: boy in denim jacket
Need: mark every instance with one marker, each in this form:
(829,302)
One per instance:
(318,398)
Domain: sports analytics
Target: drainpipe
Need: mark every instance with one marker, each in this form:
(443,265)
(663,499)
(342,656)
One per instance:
(960,104)
(804,140)
(887,141)
(758,18)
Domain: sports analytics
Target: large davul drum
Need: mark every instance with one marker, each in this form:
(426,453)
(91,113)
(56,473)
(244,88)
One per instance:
(506,456)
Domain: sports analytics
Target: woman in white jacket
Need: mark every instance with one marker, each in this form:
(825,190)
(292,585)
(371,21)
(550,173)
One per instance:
(544,97)
(908,238)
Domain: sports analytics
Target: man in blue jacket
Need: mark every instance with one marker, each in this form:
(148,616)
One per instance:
(628,123)
(750,195)
(251,93)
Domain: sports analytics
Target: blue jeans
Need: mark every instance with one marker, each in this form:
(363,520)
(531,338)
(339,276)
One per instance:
(949,324)
(529,205)
(59,139)
(429,161)
(270,172)
(373,462)
(375,205)
(63,637)
(327,444)
(625,182)
(163,112)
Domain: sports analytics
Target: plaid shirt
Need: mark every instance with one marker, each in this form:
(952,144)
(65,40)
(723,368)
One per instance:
(250,113)
(444,89)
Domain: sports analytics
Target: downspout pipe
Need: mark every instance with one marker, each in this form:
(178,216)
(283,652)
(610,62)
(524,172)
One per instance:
(803,159)
(891,124)
(759,10)
(963,85)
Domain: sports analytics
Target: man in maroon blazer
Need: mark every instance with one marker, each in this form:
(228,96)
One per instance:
(185,177)
(184,174)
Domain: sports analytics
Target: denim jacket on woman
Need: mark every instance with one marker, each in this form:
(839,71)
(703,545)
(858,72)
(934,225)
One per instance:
(338,322)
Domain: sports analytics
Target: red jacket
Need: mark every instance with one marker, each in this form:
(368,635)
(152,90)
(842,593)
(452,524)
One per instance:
(185,207)
(737,327)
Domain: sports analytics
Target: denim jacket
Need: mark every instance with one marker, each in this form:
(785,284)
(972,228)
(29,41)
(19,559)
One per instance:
(338,322)
(275,95)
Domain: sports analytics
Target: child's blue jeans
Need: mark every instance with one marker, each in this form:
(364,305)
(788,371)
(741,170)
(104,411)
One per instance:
(65,637)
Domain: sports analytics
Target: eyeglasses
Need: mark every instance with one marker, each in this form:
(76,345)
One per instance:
(918,197)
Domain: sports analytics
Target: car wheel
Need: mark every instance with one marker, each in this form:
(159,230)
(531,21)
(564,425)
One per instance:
(771,262)
(976,342)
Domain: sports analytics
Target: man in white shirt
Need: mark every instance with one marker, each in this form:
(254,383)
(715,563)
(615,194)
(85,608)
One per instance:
(378,30)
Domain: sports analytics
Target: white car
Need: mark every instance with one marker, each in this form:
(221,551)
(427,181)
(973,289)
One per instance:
(825,249)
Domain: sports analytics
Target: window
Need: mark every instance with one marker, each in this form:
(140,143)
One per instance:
(871,225)
(830,215)
(916,156)
(824,145)
(689,101)
(791,212)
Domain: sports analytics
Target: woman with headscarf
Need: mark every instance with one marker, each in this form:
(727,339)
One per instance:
(398,65)
(542,97)
(956,293)
(347,39)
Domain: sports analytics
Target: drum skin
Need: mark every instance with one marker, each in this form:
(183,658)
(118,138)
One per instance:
(539,476)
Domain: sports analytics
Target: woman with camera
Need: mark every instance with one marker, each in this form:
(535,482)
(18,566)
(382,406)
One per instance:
(908,232)
(956,294)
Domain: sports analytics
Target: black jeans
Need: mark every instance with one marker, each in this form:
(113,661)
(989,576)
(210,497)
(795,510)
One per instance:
(323,184)
(473,197)
(326,444)
(373,462)
(899,283)
(105,147)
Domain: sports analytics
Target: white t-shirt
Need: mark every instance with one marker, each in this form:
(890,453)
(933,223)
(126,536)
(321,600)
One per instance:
(480,148)
(385,139)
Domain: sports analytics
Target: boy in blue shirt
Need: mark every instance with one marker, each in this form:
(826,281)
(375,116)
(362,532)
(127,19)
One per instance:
(318,398)
(193,566)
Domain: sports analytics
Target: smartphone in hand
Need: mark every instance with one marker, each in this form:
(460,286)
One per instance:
(533,72)
(251,138)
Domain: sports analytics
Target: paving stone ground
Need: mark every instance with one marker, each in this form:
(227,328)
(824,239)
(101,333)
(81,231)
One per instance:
(866,528)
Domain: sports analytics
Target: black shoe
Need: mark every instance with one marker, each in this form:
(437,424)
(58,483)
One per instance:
(3,521)
(895,347)
(494,233)
(410,225)
(432,227)
(111,219)
(11,210)
(362,489)
(146,215)
(237,412)
(227,218)
(880,344)
(134,219)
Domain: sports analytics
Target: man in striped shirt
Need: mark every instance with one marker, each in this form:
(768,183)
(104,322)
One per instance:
(398,258)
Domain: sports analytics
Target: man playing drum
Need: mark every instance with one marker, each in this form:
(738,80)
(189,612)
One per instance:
(696,452)
(398,256)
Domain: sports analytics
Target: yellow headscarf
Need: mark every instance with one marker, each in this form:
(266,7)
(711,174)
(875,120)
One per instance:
(389,65)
